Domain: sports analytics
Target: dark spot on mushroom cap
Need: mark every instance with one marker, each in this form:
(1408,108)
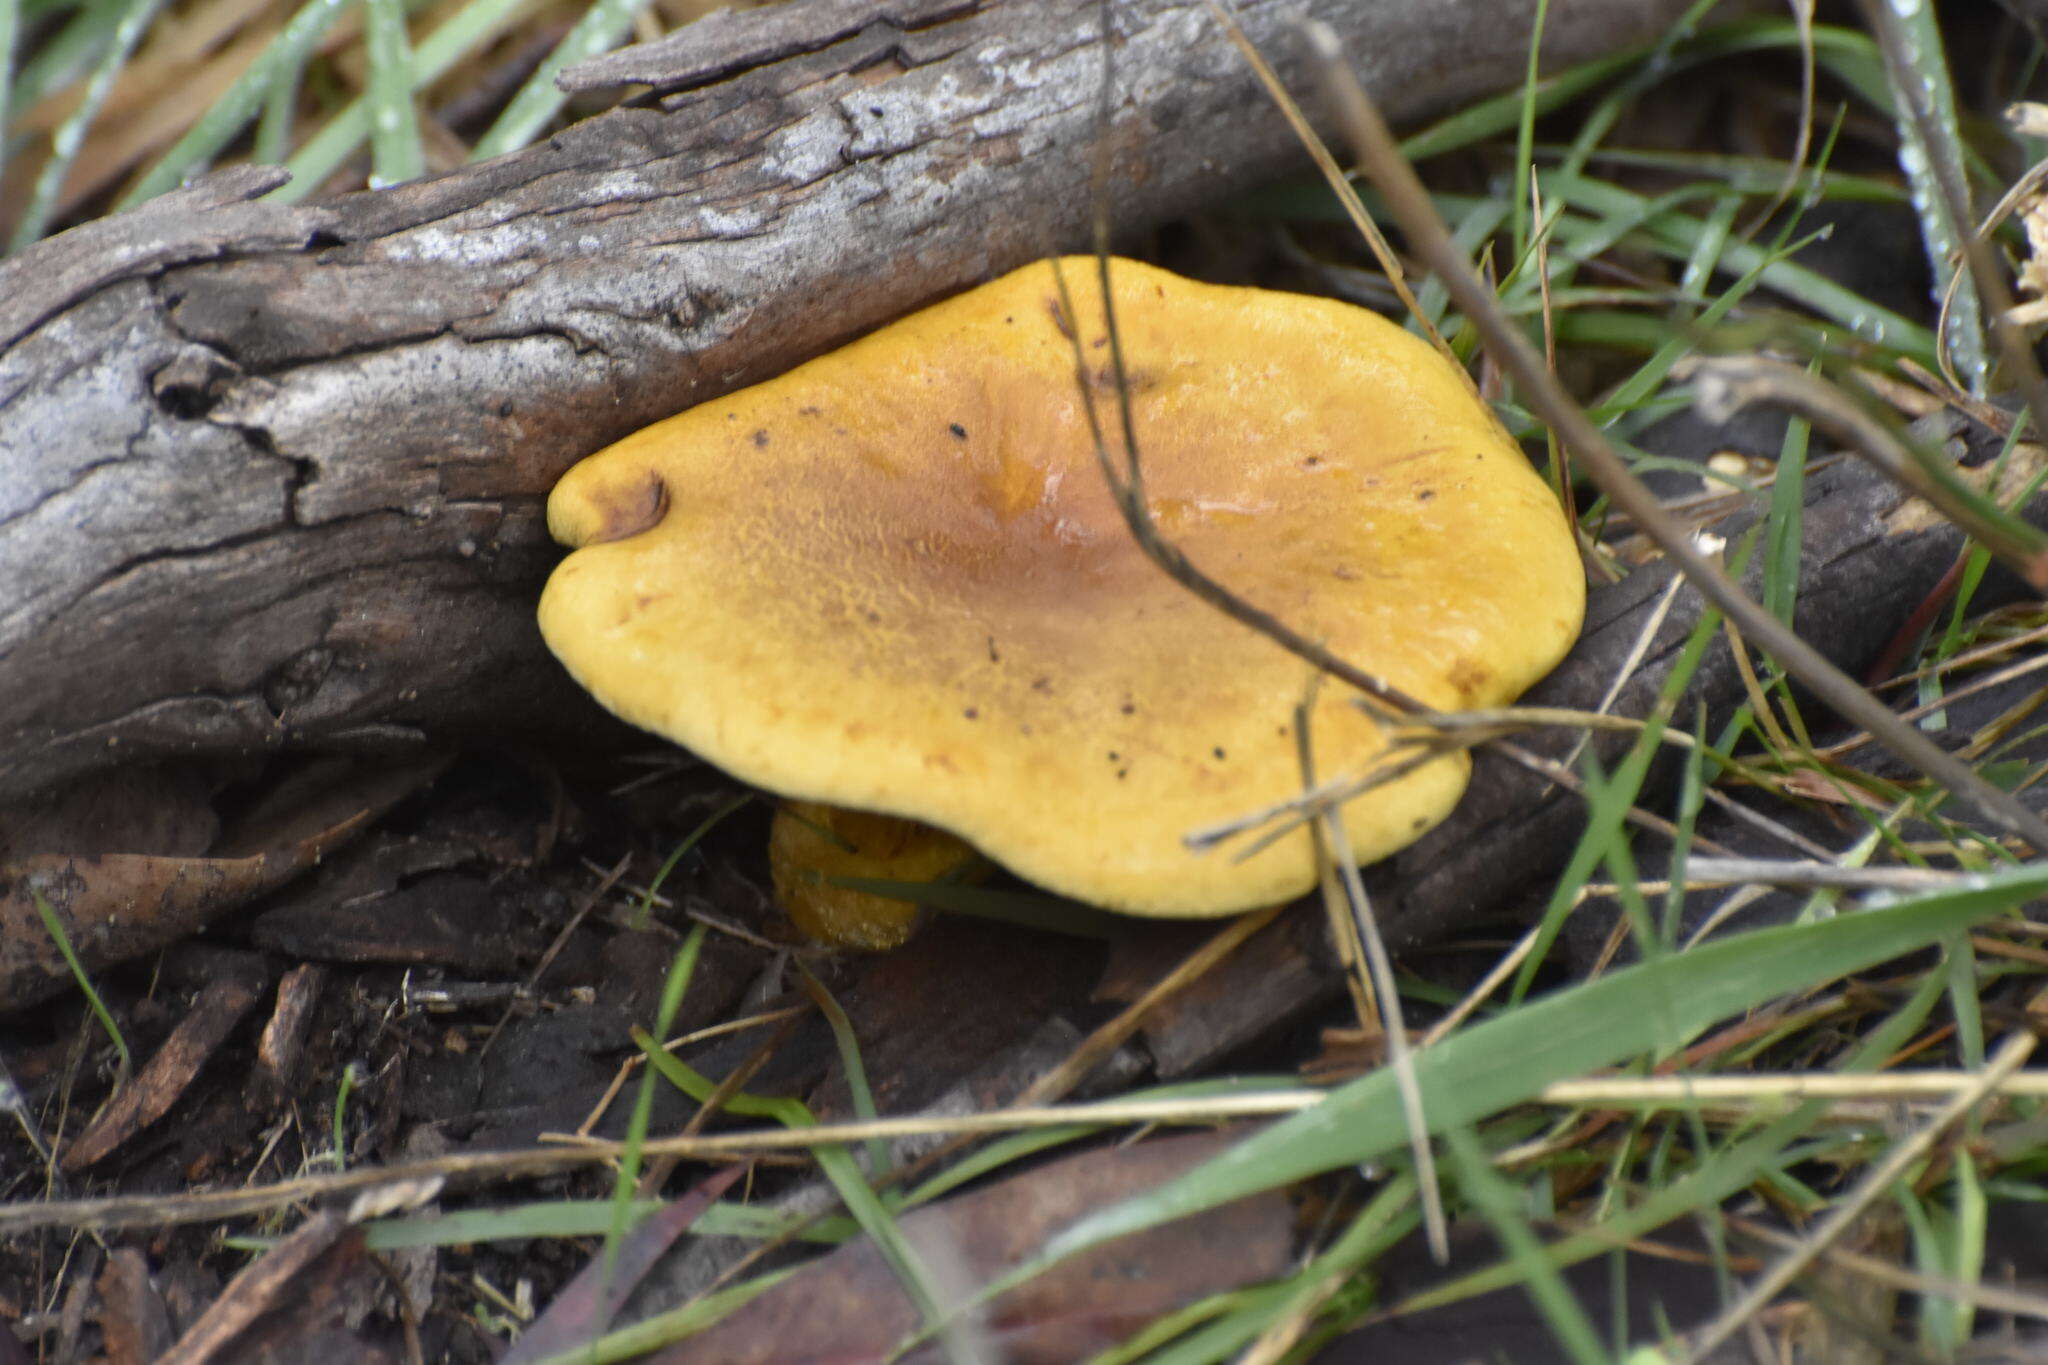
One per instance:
(958,431)
(1425,495)
(627,509)
(1129,708)
(1218,751)
(972,713)
(760,438)
(1469,677)
(1135,380)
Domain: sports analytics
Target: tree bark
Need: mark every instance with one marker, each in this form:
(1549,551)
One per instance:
(272,475)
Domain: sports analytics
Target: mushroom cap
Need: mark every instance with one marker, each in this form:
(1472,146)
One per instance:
(894,578)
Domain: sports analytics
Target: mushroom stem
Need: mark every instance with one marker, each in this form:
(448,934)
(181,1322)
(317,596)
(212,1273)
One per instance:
(812,845)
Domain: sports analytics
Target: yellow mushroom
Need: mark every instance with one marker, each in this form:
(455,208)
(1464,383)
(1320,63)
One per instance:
(893,579)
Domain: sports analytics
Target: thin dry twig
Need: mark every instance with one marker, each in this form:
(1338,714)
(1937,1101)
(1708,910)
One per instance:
(1657,1091)
(1708,872)
(1359,929)
(1446,732)
(1984,1297)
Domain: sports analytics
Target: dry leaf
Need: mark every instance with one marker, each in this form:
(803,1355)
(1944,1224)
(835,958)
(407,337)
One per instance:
(849,1307)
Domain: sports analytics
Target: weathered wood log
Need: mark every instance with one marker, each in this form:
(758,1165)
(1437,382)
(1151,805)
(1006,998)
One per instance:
(272,475)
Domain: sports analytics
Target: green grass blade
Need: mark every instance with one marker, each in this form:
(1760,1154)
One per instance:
(1922,150)
(1609,807)
(1748,175)
(1497,115)
(643,914)
(1671,49)
(672,992)
(1692,780)
(1000,1152)
(849,1058)
(1525,136)
(55,928)
(1966,1240)
(1959,960)
(861,1200)
(70,134)
(650,1334)
(1707,247)
(10,28)
(1673,234)
(1481,218)
(468,29)
(280,112)
(1648,1008)
(1722,1174)
(1609,213)
(65,57)
(589,1218)
(599,30)
(1224,1324)
(1784,531)
(1540,1272)
(1502,112)
(338,1135)
(284,57)
(396,153)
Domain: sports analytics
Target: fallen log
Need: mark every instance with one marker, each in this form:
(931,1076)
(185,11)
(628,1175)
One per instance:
(271,475)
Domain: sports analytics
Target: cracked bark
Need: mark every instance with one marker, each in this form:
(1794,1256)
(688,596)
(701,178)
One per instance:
(272,475)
